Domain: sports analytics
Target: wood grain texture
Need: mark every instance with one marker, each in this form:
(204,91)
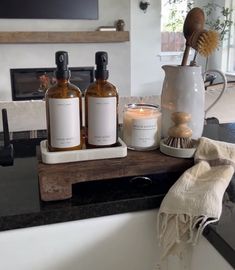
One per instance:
(64,37)
(55,181)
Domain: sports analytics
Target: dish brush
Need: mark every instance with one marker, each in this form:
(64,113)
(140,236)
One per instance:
(204,42)
(180,134)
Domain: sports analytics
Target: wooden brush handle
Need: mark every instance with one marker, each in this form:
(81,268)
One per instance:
(185,56)
(180,129)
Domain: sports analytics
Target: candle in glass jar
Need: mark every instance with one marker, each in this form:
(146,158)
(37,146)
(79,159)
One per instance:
(141,126)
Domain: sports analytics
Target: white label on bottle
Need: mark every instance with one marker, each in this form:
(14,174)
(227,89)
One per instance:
(102,120)
(64,122)
(144,132)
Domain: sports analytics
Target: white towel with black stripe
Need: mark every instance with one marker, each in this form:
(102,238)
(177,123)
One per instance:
(195,200)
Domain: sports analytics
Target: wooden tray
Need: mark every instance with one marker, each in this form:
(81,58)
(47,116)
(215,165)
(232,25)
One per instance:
(56,180)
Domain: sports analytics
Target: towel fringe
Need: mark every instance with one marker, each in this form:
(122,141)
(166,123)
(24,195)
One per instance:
(162,221)
(177,228)
(194,232)
(205,221)
(190,229)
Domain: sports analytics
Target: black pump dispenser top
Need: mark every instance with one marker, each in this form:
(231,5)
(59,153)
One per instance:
(101,60)
(62,60)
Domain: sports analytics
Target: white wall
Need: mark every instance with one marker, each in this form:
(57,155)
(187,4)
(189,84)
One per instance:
(146,72)
(135,66)
(42,55)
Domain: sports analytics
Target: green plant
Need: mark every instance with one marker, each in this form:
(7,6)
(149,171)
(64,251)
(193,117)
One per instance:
(176,16)
(175,21)
(218,18)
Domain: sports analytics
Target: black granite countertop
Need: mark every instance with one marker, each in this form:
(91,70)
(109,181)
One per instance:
(21,207)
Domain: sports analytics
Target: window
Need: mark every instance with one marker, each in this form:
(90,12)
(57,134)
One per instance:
(219,18)
(172,20)
(231,43)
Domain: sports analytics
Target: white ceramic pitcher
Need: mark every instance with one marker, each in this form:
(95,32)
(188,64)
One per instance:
(184,90)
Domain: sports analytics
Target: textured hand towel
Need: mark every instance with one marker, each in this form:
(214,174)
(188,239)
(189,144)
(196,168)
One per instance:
(195,200)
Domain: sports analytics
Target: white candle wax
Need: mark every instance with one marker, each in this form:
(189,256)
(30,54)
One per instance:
(141,127)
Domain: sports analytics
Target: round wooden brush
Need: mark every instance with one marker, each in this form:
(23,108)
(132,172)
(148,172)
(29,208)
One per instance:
(180,134)
(204,42)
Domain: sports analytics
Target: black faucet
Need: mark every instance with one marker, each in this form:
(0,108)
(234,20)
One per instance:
(6,151)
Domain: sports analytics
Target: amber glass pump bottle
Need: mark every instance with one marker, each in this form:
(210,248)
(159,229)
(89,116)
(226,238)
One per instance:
(101,107)
(63,109)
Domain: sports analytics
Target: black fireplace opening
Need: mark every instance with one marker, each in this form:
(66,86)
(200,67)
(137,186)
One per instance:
(32,83)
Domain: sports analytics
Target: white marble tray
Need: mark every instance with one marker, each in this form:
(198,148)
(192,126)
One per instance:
(82,155)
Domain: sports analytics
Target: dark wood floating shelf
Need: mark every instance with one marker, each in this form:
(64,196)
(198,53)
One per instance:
(64,37)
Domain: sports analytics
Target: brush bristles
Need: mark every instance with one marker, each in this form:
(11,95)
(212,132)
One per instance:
(179,142)
(207,42)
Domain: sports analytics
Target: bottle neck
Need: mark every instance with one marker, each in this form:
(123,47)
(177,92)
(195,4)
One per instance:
(99,80)
(62,80)
(62,74)
(101,74)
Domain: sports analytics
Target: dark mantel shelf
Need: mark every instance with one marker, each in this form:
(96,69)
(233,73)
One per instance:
(64,37)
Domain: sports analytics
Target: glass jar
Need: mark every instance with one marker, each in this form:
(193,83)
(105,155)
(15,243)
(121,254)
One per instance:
(141,126)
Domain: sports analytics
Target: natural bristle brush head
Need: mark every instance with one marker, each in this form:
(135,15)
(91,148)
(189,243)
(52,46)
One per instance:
(204,42)
(180,134)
